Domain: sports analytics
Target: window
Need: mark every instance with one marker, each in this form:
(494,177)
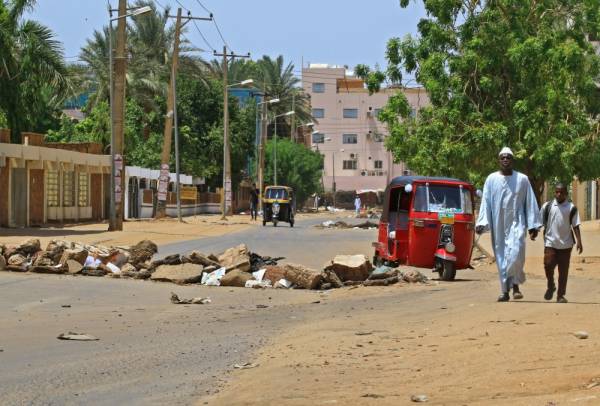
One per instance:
(350,113)
(277,194)
(52,188)
(437,198)
(378,164)
(318,138)
(84,191)
(350,139)
(318,113)
(350,164)
(318,87)
(68,189)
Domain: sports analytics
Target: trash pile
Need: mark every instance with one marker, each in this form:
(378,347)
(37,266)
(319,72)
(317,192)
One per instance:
(367,225)
(237,266)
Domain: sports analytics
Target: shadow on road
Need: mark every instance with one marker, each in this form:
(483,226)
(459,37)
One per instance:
(554,302)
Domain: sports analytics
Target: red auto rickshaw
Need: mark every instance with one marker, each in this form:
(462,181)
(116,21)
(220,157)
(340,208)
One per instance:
(427,222)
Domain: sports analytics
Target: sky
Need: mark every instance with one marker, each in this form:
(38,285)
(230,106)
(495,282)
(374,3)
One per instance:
(340,32)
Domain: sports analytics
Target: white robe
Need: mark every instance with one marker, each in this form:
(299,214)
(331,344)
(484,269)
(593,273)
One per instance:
(509,209)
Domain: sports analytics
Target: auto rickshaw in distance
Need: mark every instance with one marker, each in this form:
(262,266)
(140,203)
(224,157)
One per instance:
(279,205)
(427,222)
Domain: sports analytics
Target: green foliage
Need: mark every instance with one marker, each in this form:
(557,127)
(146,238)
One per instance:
(517,73)
(297,167)
(33,74)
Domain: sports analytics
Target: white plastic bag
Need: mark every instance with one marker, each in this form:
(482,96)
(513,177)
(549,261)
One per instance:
(259,275)
(213,278)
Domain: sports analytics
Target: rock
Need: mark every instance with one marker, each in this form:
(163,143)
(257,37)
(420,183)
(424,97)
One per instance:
(44,258)
(9,251)
(413,276)
(582,335)
(419,398)
(2,249)
(330,278)
(302,277)
(77,254)
(326,286)
(174,259)
(74,267)
(199,258)
(56,248)
(236,258)
(213,257)
(2,263)
(120,257)
(350,267)
(196,300)
(142,274)
(259,262)
(94,272)
(142,252)
(183,273)
(128,270)
(382,282)
(274,273)
(49,269)
(29,247)
(17,260)
(236,278)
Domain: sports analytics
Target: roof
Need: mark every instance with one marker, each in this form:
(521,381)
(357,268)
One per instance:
(278,187)
(404,180)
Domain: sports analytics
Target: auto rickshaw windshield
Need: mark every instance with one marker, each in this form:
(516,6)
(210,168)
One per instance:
(277,194)
(443,198)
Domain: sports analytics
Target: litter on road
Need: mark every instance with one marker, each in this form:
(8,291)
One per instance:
(77,337)
(197,300)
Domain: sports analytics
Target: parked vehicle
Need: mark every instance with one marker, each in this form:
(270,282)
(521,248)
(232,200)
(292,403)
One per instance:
(427,222)
(279,204)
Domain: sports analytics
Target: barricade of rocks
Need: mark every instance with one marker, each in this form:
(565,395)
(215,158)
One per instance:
(236,266)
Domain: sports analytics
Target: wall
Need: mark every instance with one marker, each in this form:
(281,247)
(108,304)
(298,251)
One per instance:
(4,184)
(36,197)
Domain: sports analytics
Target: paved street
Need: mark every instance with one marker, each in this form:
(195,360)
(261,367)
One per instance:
(149,351)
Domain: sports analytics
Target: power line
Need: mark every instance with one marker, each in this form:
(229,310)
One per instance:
(204,38)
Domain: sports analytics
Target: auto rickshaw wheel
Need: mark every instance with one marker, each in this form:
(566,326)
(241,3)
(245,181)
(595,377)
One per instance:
(291,224)
(264,223)
(447,270)
(274,223)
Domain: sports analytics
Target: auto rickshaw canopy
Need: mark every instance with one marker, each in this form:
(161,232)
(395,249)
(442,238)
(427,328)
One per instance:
(402,181)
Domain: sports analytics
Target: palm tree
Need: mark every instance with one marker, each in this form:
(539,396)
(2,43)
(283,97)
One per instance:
(150,41)
(32,69)
(278,80)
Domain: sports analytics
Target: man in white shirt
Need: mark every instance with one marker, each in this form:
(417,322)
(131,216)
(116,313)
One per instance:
(561,222)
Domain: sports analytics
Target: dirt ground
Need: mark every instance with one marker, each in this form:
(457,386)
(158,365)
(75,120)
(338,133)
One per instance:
(456,346)
(162,231)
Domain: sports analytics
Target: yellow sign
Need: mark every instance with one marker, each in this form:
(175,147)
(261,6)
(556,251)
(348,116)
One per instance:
(188,193)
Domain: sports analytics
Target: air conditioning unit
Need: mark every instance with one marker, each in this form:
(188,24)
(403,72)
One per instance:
(363,172)
(354,156)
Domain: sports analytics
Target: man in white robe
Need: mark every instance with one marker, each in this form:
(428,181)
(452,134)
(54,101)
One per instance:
(509,209)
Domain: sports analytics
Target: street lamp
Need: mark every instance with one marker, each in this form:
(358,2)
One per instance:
(289,113)
(242,83)
(293,135)
(135,12)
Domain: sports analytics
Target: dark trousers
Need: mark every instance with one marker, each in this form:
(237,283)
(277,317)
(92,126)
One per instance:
(253,210)
(552,258)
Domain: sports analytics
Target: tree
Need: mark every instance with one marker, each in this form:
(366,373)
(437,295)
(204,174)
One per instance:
(32,73)
(502,72)
(297,167)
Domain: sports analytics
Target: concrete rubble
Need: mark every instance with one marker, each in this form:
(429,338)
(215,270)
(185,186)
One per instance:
(235,267)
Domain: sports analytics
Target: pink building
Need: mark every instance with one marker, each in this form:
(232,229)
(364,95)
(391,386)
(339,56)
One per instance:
(348,133)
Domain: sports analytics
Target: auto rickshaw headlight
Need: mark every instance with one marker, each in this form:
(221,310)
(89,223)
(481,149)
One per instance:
(275,208)
(392,235)
(446,234)
(450,247)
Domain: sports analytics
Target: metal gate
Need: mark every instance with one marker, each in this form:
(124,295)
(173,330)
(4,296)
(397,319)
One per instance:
(18,197)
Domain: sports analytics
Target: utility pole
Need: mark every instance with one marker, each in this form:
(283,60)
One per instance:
(226,198)
(170,118)
(118,116)
(261,153)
